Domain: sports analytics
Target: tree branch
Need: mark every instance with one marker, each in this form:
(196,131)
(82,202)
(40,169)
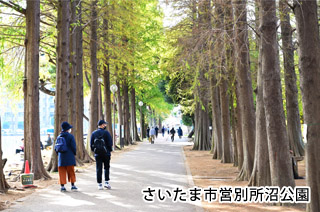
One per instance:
(85,117)
(14,6)
(44,89)
(87,78)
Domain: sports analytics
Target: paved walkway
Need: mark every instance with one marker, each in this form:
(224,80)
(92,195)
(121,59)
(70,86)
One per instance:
(159,165)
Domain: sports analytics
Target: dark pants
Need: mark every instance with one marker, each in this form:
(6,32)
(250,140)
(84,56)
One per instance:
(105,161)
(172,137)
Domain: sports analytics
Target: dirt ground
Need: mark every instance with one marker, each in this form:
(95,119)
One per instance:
(17,192)
(208,172)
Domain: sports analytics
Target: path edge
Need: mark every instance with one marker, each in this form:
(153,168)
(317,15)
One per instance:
(198,206)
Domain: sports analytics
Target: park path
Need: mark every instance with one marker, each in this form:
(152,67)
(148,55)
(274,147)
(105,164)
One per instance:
(159,165)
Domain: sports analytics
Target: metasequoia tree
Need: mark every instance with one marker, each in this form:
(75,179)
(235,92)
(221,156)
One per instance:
(261,168)
(292,105)
(94,113)
(225,71)
(278,143)
(82,153)
(31,92)
(134,129)
(309,65)
(202,121)
(62,75)
(246,106)
(106,75)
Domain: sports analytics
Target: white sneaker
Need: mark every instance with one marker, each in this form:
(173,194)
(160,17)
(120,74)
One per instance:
(100,186)
(107,185)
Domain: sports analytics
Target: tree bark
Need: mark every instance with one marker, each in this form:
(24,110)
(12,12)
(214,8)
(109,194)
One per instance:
(202,132)
(261,168)
(32,124)
(278,143)
(4,186)
(126,108)
(245,88)
(73,68)
(216,118)
(234,130)
(292,105)
(309,51)
(238,127)
(106,80)
(120,113)
(94,113)
(134,129)
(82,153)
(62,76)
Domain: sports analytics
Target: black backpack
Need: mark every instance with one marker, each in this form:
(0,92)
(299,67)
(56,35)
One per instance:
(99,146)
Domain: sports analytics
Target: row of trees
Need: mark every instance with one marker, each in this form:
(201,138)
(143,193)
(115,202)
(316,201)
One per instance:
(232,80)
(86,47)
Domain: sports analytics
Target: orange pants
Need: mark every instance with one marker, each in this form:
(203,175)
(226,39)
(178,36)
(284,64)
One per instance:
(63,171)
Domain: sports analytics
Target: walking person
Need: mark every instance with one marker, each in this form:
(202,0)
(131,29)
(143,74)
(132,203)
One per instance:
(157,130)
(152,134)
(180,132)
(66,149)
(172,131)
(162,130)
(148,134)
(101,144)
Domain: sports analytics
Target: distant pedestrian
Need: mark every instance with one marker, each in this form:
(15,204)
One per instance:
(152,134)
(157,131)
(180,132)
(148,133)
(168,130)
(101,144)
(172,131)
(162,130)
(66,159)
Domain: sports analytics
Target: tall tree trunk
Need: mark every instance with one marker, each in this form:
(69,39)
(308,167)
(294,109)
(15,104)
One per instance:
(278,143)
(62,75)
(94,113)
(238,127)
(32,125)
(261,168)
(134,129)
(73,68)
(82,153)
(107,97)
(292,105)
(202,132)
(106,80)
(309,63)
(245,88)
(234,130)
(225,117)
(120,113)
(216,118)
(100,107)
(126,108)
(4,186)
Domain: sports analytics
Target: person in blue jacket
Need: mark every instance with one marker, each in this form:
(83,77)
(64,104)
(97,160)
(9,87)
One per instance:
(104,156)
(66,160)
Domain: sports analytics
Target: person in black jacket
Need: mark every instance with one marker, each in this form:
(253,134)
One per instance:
(102,157)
